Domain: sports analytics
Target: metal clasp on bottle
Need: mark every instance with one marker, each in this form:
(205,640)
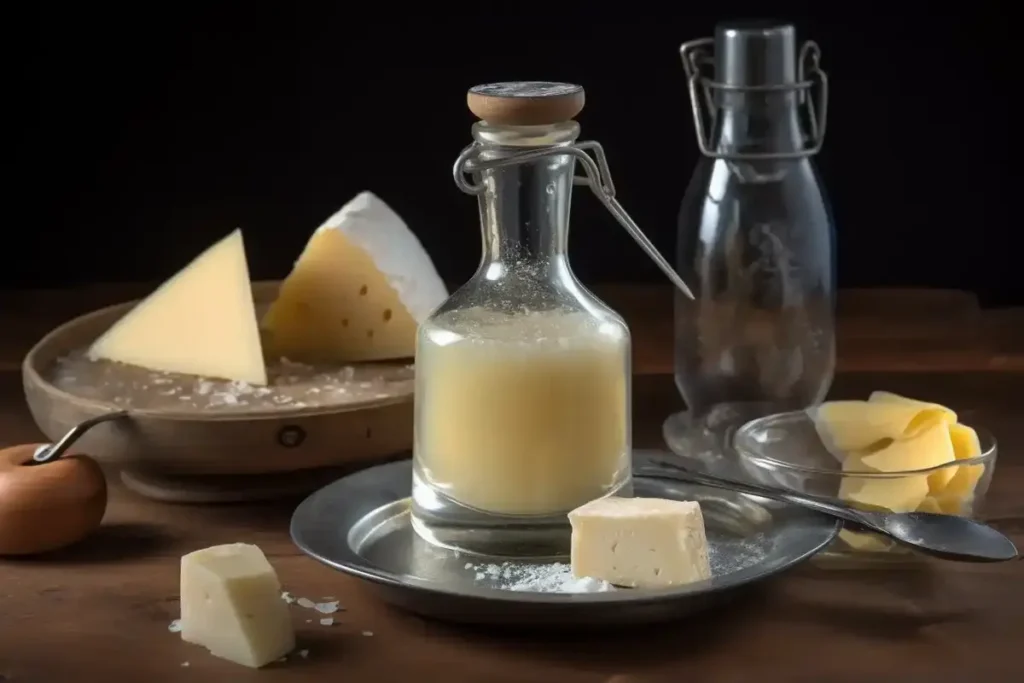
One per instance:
(597,177)
(697,54)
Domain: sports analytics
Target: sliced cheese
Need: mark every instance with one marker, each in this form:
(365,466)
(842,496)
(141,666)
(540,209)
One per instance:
(846,426)
(958,493)
(200,322)
(889,397)
(896,493)
(231,605)
(640,542)
(931,447)
(866,542)
(357,292)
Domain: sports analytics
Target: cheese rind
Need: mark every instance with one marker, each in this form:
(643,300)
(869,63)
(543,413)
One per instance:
(201,322)
(231,604)
(640,542)
(357,292)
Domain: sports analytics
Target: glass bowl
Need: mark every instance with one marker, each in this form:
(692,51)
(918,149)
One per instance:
(785,451)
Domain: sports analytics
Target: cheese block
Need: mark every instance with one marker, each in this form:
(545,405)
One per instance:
(640,542)
(932,447)
(358,291)
(231,605)
(200,322)
(846,426)
(888,397)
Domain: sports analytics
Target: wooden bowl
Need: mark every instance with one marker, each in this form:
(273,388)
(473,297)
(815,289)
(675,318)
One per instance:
(177,445)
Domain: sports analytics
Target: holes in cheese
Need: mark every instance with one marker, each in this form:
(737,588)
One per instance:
(200,322)
(358,291)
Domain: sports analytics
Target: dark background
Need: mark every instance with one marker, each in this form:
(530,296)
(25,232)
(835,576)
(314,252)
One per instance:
(157,132)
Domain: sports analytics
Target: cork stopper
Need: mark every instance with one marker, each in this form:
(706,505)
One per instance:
(526,103)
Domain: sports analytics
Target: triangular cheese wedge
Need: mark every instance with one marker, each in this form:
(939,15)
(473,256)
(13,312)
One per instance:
(358,291)
(200,322)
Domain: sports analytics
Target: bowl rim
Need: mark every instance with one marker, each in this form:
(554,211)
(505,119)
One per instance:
(743,435)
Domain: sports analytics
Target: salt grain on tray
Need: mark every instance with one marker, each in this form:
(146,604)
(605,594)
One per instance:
(290,386)
(537,578)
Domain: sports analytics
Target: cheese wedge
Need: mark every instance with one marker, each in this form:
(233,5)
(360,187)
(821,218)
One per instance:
(200,322)
(358,291)
(846,426)
(931,447)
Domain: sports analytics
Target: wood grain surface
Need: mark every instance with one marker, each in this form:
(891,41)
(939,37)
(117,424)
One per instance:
(100,611)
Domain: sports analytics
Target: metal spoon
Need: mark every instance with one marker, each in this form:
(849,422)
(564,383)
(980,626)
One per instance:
(945,536)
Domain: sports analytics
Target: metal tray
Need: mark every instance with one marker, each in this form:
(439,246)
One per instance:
(360,525)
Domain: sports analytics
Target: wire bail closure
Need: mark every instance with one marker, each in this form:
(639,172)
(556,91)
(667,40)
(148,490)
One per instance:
(597,177)
(697,54)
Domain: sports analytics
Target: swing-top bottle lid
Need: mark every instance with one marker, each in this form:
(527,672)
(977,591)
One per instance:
(526,103)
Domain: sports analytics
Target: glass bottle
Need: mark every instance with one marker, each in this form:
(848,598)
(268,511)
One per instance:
(523,375)
(756,240)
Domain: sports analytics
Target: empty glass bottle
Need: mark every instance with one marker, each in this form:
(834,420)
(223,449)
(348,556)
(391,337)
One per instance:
(755,238)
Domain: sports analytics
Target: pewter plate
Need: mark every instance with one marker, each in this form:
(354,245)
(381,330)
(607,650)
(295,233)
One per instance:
(360,525)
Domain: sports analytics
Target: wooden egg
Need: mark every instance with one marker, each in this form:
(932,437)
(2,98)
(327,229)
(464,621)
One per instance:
(48,506)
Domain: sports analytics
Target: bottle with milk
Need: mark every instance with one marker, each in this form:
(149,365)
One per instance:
(522,375)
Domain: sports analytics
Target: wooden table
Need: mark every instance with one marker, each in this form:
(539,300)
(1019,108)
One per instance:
(100,612)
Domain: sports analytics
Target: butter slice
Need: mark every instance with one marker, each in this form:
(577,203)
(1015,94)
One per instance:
(931,447)
(640,542)
(358,291)
(231,605)
(847,426)
(200,322)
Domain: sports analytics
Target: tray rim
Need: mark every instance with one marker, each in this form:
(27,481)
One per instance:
(32,376)
(362,570)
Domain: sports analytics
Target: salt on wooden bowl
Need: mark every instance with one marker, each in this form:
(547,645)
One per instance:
(196,440)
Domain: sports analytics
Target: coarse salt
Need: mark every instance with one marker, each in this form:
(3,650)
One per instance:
(538,578)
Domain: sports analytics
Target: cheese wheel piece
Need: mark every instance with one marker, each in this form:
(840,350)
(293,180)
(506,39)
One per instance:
(358,291)
(846,426)
(200,322)
(931,447)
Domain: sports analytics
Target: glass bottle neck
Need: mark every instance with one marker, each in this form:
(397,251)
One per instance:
(756,122)
(524,207)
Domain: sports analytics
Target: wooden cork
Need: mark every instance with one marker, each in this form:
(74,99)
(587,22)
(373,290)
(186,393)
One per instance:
(526,103)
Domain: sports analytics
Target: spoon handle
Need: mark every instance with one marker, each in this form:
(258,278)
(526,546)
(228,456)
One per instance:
(665,468)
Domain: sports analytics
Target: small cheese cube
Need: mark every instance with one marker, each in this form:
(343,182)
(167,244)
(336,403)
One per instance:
(640,542)
(231,605)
